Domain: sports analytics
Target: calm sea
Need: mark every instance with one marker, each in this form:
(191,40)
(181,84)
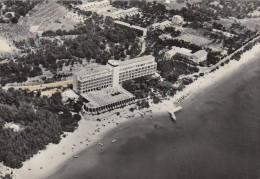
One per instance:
(216,136)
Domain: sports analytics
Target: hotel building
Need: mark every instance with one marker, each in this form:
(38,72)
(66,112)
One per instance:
(96,77)
(93,77)
(131,69)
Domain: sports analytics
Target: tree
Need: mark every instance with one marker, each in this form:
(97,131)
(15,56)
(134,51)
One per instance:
(2,122)
(156,100)
(76,117)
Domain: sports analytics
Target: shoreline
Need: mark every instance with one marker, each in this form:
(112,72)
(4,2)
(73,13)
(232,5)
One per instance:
(48,161)
(207,81)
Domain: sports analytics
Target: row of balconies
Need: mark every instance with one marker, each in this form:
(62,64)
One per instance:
(137,71)
(137,66)
(136,75)
(97,79)
(95,83)
(93,89)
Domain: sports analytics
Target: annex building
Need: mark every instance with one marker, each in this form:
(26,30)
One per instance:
(196,57)
(107,99)
(105,8)
(161,25)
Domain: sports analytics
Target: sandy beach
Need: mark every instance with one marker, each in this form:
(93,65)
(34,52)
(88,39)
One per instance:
(90,131)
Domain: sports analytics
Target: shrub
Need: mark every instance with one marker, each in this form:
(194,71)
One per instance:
(131,109)
(156,100)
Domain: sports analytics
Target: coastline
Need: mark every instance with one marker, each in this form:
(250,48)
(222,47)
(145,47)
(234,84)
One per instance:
(52,157)
(208,80)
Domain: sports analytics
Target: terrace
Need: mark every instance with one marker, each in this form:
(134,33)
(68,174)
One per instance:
(107,99)
(93,71)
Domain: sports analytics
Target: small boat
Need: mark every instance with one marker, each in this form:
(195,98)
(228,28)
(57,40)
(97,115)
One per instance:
(75,156)
(113,141)
(100,144)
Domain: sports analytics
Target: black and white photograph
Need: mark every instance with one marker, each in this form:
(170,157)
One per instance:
(130,89)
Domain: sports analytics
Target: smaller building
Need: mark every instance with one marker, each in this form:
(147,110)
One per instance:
(122,13)
(177,50)
(105,10)
(107,99)
(199,56)
(177,20)
(196,57)
(144,30)
(162,25)
(100,4)
(131,11)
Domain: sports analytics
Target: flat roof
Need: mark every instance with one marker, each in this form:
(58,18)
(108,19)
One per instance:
(106,96)
(136,60)
(113,62)
(138,28)
(122,23)
(200,53)
(131,9)
(161,23)
(125,11)
(93,69)
(180,50)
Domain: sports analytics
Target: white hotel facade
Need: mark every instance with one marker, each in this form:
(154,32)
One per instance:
(96,77)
